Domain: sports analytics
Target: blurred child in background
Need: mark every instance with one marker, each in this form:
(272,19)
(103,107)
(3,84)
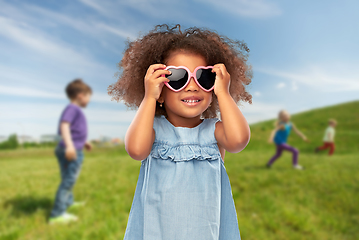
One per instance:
(280,135)
(73,130)
(328,138)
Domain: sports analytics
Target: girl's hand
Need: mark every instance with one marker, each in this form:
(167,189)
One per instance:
(221,85)
(154,81)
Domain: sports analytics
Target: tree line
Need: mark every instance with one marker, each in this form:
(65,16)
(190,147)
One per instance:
(13,143)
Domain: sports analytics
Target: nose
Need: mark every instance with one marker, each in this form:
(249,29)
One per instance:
(192,86)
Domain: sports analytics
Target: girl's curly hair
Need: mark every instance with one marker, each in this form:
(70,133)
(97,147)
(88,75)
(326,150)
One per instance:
(157,46)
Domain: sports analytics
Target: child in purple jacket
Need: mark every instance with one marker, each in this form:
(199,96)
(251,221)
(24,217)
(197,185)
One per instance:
(73,130)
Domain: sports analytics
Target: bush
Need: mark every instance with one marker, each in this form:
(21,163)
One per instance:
(10,143)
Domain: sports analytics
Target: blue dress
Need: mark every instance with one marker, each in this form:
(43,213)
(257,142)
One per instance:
(183,190)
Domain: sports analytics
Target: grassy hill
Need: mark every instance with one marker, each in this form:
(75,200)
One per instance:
(313,123)
(320,202)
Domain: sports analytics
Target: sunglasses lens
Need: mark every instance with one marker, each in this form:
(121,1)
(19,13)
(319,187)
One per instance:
(206,78)
(178,78)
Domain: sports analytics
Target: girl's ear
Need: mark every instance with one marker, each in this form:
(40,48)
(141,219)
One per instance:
(160,101)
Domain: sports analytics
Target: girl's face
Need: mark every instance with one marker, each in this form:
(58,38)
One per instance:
(285,117)
(192,101)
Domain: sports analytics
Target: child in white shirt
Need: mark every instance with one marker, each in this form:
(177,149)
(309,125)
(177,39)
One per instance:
(328,138)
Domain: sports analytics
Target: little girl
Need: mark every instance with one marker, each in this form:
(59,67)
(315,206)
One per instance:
(179,81)
(280,135)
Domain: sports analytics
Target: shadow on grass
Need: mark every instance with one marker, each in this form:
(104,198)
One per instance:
(27,205)
(256,167)
(280,168)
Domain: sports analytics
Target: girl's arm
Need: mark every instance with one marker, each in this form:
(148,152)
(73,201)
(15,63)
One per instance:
(299,133)
(271,137)
(141,135)
(233,132)
(277,127)
(70,151)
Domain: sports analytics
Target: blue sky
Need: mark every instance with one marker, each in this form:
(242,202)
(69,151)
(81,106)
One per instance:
(303,54)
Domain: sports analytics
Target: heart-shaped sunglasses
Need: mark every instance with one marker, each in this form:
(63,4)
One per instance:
(181,76)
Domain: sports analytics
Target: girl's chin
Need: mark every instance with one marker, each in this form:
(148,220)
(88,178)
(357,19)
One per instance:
(190,111)
(191,114)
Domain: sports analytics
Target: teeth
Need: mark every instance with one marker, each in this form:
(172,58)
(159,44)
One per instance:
(190,101)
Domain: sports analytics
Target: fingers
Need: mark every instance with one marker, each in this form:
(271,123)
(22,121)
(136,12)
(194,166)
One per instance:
(217,70)
(159,73)
(70,155)
(220,70)
(155,74)
(162,79)
(154,67)
(151,69)
(154,80)
(222,79)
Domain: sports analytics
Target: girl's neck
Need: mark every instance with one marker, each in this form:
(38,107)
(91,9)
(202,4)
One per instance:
(179,121)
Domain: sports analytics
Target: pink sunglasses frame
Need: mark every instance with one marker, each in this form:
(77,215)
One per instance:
(190,75)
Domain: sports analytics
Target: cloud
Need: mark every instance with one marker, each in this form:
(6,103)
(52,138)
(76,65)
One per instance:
(95,5)
(320,78)
(43,62)
(246,8)
(51,111)
(15,77)
(28,92)
(40,42)
(155,9)
(30,25)
(116,31)
(294,86)
(281,85)
(260,111)
(257,94)
(37,93)
(92,27)
(96,115)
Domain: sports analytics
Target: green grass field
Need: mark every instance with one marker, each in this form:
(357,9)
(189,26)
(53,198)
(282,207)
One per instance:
(318,203)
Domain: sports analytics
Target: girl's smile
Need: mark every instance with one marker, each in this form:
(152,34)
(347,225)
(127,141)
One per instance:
(191,100)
